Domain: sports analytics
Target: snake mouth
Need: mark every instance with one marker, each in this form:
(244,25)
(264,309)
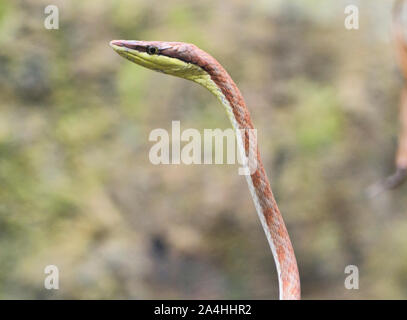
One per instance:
(118,46)
(128,49)
(129,44)
(116,43)
(125,46)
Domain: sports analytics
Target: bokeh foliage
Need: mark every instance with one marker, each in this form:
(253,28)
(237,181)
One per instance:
(77,189)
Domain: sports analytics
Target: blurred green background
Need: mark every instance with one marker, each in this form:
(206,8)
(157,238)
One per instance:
(77,189)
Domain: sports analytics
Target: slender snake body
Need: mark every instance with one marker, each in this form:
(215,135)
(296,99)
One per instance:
(189,62)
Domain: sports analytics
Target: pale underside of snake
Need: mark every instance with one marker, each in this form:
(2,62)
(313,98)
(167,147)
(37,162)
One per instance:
(189,62)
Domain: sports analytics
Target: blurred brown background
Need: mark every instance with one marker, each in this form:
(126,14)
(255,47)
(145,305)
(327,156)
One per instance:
(77,189)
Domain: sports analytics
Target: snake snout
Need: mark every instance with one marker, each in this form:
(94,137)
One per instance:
(118,43)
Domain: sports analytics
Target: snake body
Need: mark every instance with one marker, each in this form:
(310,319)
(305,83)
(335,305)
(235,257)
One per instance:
(188,61)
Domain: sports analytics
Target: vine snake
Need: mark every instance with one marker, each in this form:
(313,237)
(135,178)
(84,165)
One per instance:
(189,62)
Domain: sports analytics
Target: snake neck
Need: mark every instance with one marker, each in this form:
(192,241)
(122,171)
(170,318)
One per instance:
(223,87)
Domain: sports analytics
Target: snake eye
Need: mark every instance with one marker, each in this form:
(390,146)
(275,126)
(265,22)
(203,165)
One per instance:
(152,50)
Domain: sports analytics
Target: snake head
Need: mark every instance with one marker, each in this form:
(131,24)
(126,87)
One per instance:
(174,58)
